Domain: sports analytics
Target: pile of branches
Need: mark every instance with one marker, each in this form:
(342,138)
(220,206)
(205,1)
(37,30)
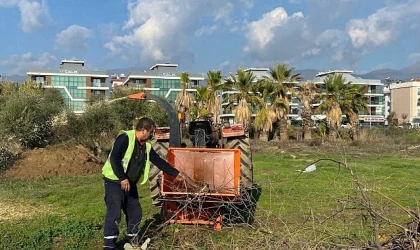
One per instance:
(409,238)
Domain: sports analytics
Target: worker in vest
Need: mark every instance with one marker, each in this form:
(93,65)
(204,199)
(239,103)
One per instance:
(129,159)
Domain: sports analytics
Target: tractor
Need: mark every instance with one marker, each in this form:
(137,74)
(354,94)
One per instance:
(219,162)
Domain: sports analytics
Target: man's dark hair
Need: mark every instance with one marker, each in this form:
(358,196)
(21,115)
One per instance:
(145,123)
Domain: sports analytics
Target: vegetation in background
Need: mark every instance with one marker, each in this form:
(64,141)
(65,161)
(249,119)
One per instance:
(27,113)
(242,101)
(284,81)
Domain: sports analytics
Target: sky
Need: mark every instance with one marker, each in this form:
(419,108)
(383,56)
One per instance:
(202,35)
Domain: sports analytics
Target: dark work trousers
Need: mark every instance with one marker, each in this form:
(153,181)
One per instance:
(117,200)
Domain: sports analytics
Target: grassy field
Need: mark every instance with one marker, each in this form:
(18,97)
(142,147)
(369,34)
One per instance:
(318,209)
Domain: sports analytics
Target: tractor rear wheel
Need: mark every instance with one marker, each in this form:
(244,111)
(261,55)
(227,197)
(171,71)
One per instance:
(247,169)
(154,174)
(243,212)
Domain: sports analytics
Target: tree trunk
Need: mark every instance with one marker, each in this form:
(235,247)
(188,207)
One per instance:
(334,118)
(307,124)
(263,136)
(333,132)
(352,118)
(283,129)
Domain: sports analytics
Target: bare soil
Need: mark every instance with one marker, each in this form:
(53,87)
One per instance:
(48,162)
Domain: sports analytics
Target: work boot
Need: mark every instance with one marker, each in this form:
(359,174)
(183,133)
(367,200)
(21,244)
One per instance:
(134,241)
(109,248)
(110,244)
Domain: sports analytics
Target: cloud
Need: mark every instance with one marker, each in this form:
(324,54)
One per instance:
(382,27)
(262,32)
(205,31)
(74,38)
(20,64)
(414,57)
(34,14)
(381,66)
(158,31)
(108,30)
(223,12)
(337,36)
(278,36)
(227,67)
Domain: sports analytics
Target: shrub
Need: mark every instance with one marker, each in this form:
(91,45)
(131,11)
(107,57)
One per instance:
(412,137)
(7,158)
(27,116)
(98,119)
(128,111)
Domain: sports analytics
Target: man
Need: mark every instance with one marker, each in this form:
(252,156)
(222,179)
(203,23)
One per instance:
(129,159)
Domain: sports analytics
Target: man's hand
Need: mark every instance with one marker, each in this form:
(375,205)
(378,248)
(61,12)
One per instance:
(125,185)
(182,177)
(185,178)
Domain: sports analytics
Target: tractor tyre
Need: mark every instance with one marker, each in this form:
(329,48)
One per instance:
(243,212)
(155,173)
(247,170)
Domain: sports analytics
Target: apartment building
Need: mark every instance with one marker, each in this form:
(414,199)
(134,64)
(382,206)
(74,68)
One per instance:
(374,90)
(75,83)
(117,80)
(405,101)
(162,80)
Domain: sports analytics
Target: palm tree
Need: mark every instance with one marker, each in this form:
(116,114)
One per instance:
(307,94)
(284,81)
(184,99)
(242,82)
(214,84)
(200,107)
(331,100)
(265,117)
(354,100)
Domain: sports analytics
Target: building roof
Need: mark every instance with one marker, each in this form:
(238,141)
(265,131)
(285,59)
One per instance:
(334,72)
(163,65)
(257,69)
(411,84)
(167,75)
(72,61)
(66,72)
(319,79)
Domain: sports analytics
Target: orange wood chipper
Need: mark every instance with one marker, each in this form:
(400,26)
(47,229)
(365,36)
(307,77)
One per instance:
(215,176)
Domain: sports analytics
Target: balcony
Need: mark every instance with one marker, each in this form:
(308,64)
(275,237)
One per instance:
(376,103)
(375,91)
(98,84)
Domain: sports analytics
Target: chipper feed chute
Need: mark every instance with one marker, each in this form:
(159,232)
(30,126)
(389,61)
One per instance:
(215,175)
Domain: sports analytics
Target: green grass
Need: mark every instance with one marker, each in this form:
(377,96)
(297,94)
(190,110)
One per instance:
(320,208)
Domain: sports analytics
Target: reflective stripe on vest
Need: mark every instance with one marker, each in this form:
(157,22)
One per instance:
(107,168)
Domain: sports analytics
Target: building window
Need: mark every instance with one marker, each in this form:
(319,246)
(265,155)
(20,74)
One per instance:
(39,79)
(71,83)
(418,91)
(418,102)
(96,83)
